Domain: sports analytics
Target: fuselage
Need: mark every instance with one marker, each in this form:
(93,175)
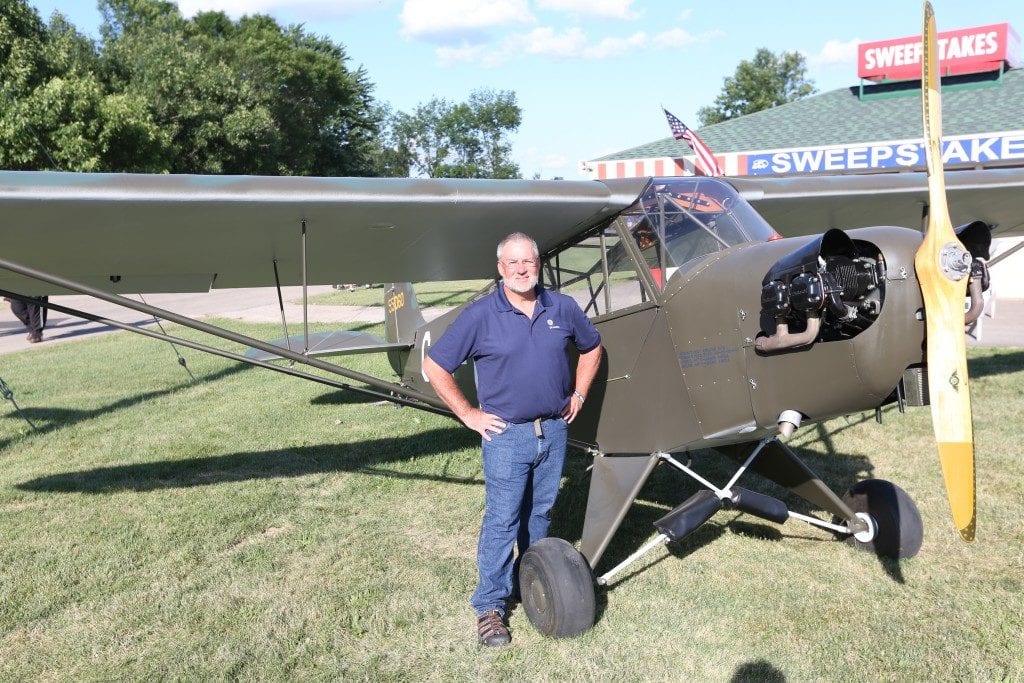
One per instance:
(675,285)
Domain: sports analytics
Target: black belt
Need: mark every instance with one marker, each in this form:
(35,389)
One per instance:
(537,429)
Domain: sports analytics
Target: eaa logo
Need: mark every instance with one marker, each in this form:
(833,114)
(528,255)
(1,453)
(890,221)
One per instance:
(759,165)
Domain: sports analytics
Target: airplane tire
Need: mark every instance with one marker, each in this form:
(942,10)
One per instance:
(557,588)
(900,529)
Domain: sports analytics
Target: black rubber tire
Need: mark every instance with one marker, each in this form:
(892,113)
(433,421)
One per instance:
(900,529)
(557,588)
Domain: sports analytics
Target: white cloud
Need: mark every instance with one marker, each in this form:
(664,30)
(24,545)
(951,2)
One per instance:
(614,9)
(430,19)
(836,52)
(678,37)
(613,47)
(545,41)
(572,43)
(312,9)
(479,54)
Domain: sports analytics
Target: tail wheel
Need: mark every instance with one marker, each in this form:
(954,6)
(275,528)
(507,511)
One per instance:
(899,530)
(557,588)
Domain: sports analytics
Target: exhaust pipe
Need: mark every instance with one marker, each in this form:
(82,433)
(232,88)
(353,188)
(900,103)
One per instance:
(977,302)
(782,339)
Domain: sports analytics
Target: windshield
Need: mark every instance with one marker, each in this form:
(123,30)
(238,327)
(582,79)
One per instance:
(678,220)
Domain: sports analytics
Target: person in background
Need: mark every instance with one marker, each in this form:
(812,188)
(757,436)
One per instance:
(32,315)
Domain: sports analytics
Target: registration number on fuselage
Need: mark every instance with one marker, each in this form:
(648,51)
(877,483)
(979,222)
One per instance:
(395,301)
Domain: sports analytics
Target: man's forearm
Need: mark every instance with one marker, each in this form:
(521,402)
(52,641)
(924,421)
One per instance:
(586,369)
(446,389)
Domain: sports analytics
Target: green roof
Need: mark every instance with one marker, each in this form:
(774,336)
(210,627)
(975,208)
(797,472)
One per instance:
(890,111)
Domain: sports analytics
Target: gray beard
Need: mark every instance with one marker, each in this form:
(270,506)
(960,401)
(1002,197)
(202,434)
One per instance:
(527,288)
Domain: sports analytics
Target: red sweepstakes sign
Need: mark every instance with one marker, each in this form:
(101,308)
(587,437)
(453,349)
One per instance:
(963,51)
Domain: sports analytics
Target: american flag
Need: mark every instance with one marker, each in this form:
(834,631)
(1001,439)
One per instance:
(707,164)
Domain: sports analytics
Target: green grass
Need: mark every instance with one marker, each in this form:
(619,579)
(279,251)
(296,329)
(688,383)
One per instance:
(255,526)
(451,293)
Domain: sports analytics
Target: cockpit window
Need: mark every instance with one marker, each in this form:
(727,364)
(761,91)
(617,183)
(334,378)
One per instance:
(597,271)
(678,220)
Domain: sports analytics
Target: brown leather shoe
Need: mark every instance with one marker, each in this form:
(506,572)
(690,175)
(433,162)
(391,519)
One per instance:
(35,338)
(491,629)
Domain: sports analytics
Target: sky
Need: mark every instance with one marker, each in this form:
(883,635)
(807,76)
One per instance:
(591,76)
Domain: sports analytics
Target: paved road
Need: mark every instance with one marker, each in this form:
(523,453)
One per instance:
(1005,328)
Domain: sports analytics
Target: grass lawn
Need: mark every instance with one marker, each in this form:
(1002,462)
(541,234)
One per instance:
(250,525)
(448,293)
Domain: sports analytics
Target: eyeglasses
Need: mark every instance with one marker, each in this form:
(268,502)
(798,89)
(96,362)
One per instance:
(527,262)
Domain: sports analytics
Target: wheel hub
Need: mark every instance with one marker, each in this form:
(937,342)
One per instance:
(868,534)
(538,597)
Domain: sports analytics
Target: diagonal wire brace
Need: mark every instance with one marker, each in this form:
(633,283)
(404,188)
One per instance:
(8,394)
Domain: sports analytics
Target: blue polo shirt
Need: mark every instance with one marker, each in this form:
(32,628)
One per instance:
(522,364)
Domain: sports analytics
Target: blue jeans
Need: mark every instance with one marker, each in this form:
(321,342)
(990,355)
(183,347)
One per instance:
(522,475)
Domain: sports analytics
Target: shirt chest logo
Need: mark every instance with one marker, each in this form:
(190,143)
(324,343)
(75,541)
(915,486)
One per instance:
(552,325)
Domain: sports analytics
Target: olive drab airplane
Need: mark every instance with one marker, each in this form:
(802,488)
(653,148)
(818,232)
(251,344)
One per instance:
(717,332)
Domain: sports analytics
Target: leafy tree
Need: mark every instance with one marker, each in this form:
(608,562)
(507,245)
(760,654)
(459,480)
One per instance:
(442,139)
(762,83)
(392,156)
(241,97)
(163,94)
(53,109)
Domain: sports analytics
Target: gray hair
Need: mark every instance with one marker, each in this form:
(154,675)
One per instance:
(518,237)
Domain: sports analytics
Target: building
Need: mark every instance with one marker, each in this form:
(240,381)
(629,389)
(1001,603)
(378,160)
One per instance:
(874,126)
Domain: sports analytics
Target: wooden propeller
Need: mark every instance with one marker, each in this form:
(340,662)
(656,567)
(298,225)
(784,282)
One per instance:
(943,268)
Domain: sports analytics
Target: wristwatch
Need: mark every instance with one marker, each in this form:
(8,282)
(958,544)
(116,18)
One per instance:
(580,396)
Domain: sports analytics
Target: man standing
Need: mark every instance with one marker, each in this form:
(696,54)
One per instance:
(518,338)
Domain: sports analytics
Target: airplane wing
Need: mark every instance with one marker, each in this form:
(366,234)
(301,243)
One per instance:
(805,205)
(179,233)
(151,233)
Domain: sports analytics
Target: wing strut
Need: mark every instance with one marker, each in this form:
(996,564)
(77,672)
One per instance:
(287,370)
(305,294)
(8,393)
(181,359)
(397,394)
(280,305)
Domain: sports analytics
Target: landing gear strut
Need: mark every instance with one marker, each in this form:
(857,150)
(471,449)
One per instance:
(555,580)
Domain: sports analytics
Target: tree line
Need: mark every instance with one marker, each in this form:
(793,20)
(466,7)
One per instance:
(159,93)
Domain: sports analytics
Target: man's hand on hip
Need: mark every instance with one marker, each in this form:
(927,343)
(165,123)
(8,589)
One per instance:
(572,409)
(482,423)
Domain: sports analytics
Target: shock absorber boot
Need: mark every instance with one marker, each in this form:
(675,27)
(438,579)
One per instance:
(759,504)
(688,515)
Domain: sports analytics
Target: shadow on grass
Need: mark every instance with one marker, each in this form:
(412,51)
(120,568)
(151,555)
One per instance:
(760,670)
(998,363)
(254,465)
(49,419)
